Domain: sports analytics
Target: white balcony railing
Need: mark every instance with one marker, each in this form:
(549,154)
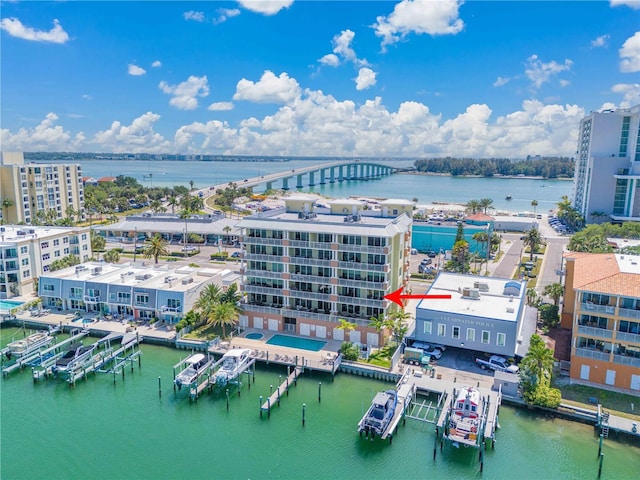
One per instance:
(595,332)
(590,353)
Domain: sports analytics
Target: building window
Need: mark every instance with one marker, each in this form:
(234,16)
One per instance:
(76,292)
(45,257)
(173,303)
(56,242)
(26,274)
(471,334)
(44,245)
(47,288)
(501,339)
(427,328)
(455,332)
(24,249)
(25,262)
(442,329)
(486,336)
(84,236)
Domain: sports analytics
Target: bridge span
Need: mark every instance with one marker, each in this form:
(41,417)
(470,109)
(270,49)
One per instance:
(322,174)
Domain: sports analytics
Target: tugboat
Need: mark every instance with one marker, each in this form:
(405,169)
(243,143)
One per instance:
(379,415)
(466,420)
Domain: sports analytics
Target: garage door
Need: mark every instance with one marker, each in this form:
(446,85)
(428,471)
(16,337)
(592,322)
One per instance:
(244,321)
(257,323)
(372,339)
(305,329)
(338,334)
(273,325)
(584,372)
(611,377)
(321,332)
(354,337)
(635,382)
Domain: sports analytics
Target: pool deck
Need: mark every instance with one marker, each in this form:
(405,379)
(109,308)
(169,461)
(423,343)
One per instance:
(322,360)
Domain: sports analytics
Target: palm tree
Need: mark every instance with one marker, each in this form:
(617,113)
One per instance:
(224,314)
(532,297)
(173,202)
(482,238)
(111,256)
(231,295)
(209,297)
(157,247)
(534,204)
(398,324)
(554,291)
(532,239)
(473,206)
(537,365)
(347,326)
(485,204)
(191,184)
(6,203)
(226,230)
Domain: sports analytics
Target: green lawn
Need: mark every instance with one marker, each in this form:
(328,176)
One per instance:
(617,403)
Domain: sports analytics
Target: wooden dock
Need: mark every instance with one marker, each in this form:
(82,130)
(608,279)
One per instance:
(406,393)
(282,388)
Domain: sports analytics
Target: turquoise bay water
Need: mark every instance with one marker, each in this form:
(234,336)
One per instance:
(426,188)
(99,430)
(296,342)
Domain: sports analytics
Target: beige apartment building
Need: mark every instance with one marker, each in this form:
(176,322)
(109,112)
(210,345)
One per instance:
(27,188)
(307,266)
(27,253)
(602,307)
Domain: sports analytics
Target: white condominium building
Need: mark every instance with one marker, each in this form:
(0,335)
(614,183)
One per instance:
(607,171)
(27,253)
(306,267)
(29,188)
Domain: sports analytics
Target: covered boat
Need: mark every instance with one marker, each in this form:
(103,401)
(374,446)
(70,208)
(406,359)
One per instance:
(27,345)
(234,362)
(196,365)
(379,415)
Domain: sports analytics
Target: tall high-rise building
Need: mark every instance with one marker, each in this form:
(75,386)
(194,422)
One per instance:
(607,174)
(29,188)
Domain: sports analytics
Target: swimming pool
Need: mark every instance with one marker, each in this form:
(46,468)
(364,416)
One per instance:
(254,336)
(296,342)
(7,305)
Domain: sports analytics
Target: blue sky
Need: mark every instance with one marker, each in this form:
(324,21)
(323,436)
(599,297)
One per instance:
(304,78)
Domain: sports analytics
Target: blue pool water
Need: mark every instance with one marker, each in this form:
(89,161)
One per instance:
(296,342)
(6,305)
(254,336)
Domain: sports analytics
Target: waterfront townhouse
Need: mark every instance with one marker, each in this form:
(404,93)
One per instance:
(305,268)
(27,252)
(607,170)
(29,188)
(484,314)
(602,307)
(135,290)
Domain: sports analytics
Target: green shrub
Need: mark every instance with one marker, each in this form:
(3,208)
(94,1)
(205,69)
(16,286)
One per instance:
(220,256)
(350,351)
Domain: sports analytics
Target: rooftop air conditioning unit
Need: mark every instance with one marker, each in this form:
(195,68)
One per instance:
(31,230)
(482,286)
(471,293)
(20,232)
(510,310)
(186,281)
(96,270)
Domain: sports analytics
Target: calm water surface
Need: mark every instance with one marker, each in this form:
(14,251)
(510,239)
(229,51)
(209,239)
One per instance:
(425,188)
(99,430)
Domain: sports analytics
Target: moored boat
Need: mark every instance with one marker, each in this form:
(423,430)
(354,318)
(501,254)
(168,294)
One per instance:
(196,365)
(379,415)
(508,197)
(27,345)
(465,421)
(74,357)
(234,362)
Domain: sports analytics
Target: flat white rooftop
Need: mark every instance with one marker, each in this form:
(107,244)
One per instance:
(18,233)
(498,298)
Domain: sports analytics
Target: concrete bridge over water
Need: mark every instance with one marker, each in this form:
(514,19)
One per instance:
(322,174)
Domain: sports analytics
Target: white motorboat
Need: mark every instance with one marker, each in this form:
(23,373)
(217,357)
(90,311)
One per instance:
(234,362)
(74,357)
(196,365)
(27,345)
(379,415)
(466,417)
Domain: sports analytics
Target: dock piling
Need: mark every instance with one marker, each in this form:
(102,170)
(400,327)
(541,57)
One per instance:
(319,392)
(600,464)
(269,407)
(304,408)
(260,406)
(600,445)
(227,399)
(159,387)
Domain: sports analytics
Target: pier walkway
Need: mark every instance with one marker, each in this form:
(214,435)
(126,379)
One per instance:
(282,388)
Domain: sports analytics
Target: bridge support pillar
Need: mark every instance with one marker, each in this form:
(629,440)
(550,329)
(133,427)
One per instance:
(322,175)
(299,182)
(285,183)
(340,173)
(332,175)
(312,179)
(269,186)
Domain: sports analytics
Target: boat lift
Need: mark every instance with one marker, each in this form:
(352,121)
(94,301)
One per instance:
(45,355)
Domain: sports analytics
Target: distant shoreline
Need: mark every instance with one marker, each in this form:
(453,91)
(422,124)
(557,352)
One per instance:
(516,177)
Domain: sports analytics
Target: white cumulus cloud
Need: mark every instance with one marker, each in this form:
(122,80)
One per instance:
(630,93)
(46,137)
(137,137)
(15,28)
(630,54)
(194,15)
(225,14)
(266,7)
(269,89)
(500,81)
(185,94)
(601,41)
(330,59)
(433,17)
(136,70)
(220,106)
(635,4)
(539,72)
(156,64)
(366,78)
